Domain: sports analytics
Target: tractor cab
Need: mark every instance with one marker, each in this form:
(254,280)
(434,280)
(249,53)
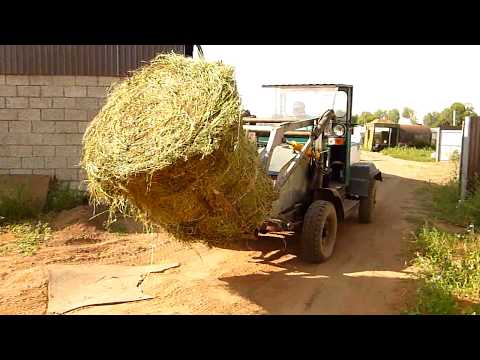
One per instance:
(311,101)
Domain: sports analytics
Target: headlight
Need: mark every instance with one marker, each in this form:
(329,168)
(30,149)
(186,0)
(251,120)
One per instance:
(339,130)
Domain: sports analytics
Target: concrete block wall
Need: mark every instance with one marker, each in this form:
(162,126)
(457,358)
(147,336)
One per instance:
(42,121)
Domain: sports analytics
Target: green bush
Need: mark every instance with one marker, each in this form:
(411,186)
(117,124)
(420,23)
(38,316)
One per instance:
(16,207)
(410,153)
(62,197)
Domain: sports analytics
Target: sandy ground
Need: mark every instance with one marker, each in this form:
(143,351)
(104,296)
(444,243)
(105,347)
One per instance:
(366,275)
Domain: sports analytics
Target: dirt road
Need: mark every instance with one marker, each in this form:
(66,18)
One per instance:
(366,275)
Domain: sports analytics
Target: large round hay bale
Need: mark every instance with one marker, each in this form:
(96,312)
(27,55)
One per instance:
(168,147)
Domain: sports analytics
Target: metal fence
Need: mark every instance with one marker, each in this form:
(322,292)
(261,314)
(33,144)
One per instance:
(470,160)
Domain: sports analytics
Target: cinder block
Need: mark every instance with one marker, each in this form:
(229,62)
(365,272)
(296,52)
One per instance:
(2,80)
(31,90)
(15,150)
(54,139)
(4,150)
(20,150)
(96,91)
(21,139)
(107,80)
(91,114)
(53,114)
(102,102)
(29,114)
(43,126)
(2,102)
(10,163)
(74,139)
(41,80)
(82,126)
(87,103)
(56,162)
(79,115)
(50,91)
(8,114)
(73,162)
(3,127)
(21,172)
(8,90)
(40,103)
(20,126)
(44,150)
(86,80)
(17,102)
(82,175)
(17,80)
(33,163)
(64,103)
(75,91)
(63,80)
(64,127)
(68,150)
(66,174)
(48,172)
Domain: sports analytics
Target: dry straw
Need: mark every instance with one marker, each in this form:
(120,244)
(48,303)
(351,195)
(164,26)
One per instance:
(168,148)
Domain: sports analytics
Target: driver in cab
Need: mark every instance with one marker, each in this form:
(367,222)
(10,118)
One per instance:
(299,111)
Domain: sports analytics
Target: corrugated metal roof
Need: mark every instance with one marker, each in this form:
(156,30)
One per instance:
(106,60)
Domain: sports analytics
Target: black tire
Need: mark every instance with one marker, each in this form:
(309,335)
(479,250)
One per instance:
(367,204)
(319,233)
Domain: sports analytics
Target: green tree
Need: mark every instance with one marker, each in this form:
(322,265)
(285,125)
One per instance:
(445,118)
(431,119)
(409,113)
(393,115)
(380,114)
(366,117)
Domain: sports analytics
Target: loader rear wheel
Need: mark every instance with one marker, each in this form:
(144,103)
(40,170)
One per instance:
(319,232)
(367,204)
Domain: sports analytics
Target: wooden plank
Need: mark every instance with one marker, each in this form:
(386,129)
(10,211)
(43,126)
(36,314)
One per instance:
(473,167)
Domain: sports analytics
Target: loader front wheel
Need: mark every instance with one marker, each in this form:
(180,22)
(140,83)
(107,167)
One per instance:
(319,232)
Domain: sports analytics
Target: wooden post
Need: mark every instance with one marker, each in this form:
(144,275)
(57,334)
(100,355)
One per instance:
(464,158)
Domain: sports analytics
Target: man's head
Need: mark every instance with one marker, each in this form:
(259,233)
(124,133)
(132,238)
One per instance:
(298,108)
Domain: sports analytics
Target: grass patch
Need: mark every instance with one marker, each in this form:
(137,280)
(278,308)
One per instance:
(448,261)
(6,249)
(449,269)
(445,204)
(29,237)
(62,196)
(410,153)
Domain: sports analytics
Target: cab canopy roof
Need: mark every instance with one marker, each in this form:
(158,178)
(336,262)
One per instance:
(317,86)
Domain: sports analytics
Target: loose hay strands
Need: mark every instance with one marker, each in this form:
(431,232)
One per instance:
(167,148)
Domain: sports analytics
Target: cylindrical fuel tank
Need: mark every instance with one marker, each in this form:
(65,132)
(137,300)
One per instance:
(414,135)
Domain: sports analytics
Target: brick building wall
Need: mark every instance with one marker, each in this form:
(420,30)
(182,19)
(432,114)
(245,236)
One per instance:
(42,121)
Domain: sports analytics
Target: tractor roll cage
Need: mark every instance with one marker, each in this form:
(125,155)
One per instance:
(347,89)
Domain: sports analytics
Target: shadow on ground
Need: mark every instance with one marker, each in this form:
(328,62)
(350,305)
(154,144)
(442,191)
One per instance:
(367,274)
